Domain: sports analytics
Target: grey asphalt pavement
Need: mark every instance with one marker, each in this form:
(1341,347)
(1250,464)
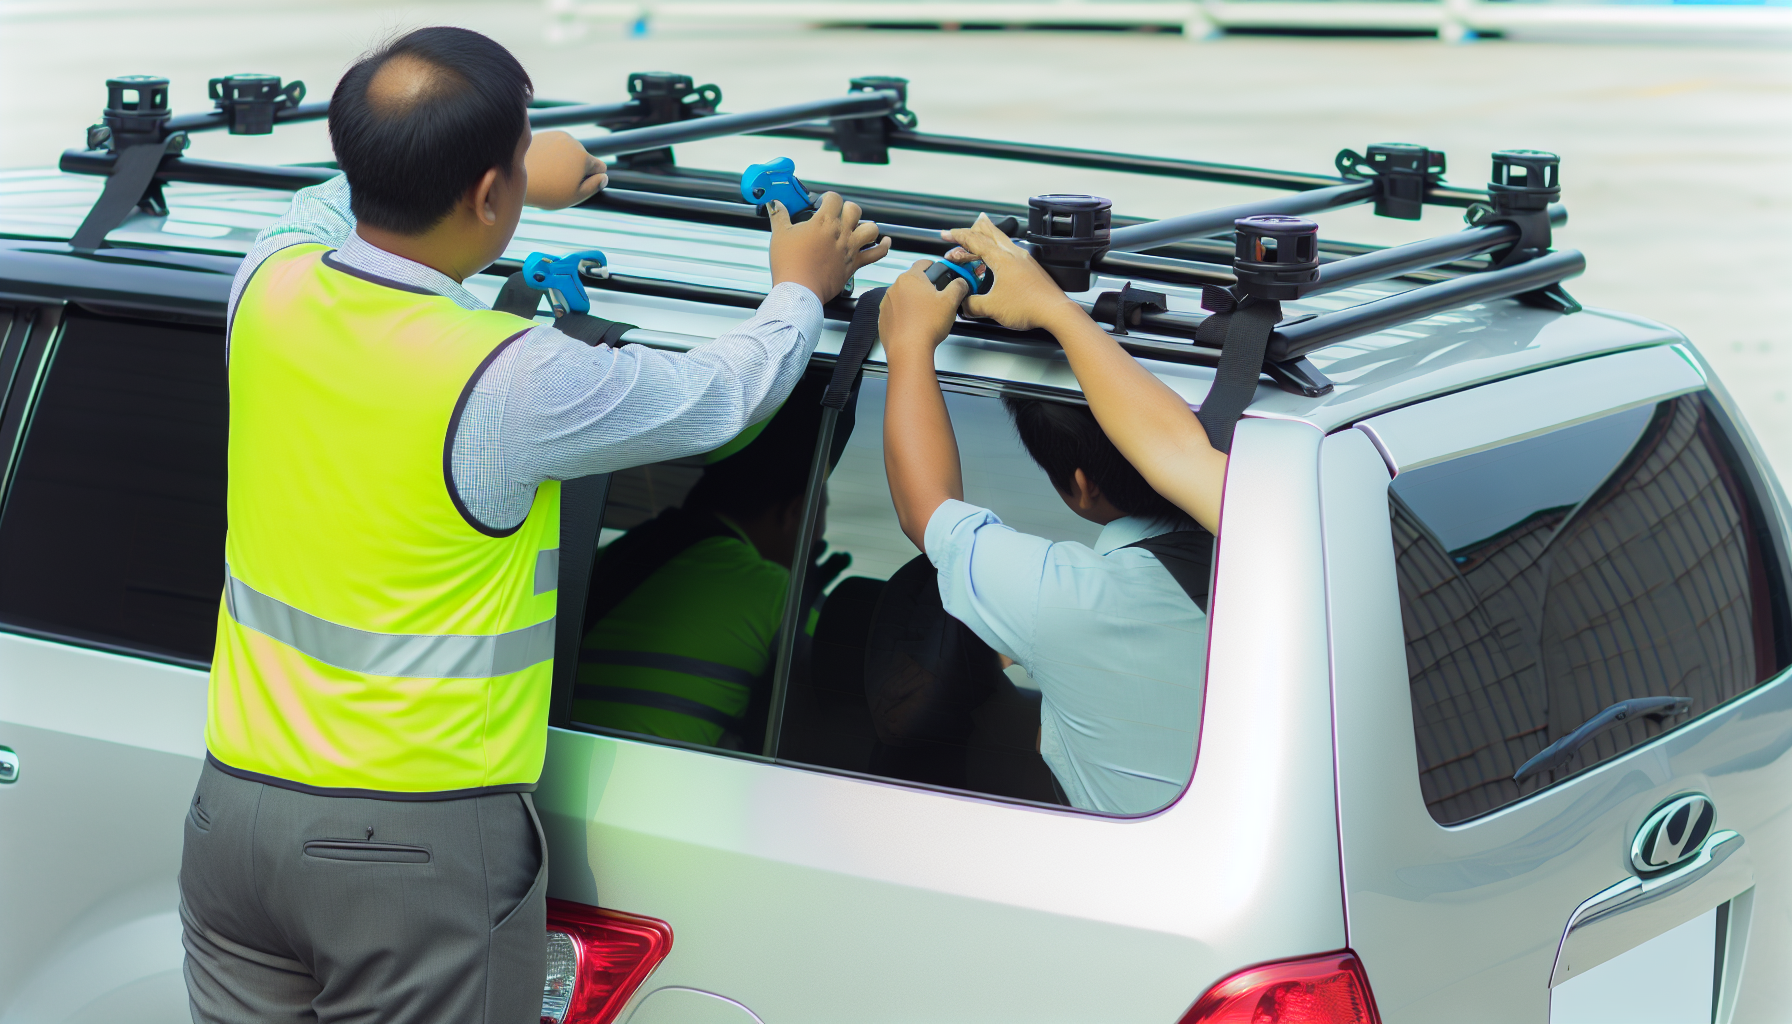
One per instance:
(1676,158)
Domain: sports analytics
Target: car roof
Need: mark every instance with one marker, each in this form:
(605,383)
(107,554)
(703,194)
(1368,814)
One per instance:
(1372,373)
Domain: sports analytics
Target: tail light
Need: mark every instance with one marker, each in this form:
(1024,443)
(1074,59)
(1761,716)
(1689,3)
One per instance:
(1328,989)
(596,960)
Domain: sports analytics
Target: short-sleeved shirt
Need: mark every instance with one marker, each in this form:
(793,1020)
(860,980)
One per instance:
(1117,648)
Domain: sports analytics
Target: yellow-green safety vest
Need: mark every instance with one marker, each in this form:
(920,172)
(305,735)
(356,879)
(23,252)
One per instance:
(373,636)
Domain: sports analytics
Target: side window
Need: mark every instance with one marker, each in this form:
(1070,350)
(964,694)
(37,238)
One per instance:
(1546,580)
(113,528)
(880,679)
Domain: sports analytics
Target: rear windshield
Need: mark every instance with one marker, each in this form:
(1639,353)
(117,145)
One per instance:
(1544,581)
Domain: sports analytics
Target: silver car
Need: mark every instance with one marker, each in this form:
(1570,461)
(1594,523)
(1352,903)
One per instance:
(1493,722)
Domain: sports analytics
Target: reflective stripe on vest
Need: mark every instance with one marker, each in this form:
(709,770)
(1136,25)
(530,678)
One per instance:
(389,654)
(372,636)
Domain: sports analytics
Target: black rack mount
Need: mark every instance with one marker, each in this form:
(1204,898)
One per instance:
(1504,253)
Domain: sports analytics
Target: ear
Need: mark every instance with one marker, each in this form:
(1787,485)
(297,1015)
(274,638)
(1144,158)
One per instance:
(792,514)
(1086,494)
(484,206)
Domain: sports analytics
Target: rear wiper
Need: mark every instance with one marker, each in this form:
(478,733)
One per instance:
(1558,753)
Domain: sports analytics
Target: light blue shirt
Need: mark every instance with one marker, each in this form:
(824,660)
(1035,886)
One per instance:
(1116,647)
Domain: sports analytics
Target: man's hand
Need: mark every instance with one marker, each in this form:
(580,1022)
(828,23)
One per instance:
(561,173)
(824,251)
(916,316)
(1024,296)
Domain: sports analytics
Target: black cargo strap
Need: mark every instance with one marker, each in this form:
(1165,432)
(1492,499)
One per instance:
(132,184)
(1241,333)
(1188,555)
(861,334)
(518,299)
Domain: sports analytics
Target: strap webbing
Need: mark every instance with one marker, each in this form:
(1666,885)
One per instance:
(1188,555)
(518,299)
(133,178)
(860,336)
(1242,346)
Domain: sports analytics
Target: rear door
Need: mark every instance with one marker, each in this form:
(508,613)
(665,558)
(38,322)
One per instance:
(111,548)
(1504,565)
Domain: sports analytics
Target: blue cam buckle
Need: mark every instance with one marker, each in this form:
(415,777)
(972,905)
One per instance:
(559,277)
(776,180)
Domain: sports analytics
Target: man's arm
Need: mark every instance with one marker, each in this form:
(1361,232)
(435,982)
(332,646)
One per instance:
(920,452)
(1150,424)
(552,408)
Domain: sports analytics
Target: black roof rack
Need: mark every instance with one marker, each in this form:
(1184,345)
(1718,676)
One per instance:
(139,145)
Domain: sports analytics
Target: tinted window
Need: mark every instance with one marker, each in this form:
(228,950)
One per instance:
(1546,580)
(113,531)
(878,679)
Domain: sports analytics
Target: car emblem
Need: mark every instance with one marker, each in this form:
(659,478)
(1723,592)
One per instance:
(1673,833)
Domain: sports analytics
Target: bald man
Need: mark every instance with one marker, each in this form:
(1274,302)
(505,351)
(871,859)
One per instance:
(362,845)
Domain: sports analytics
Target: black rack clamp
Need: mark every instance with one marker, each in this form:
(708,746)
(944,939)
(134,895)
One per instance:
(1067,234)
(1126,307)
(1525,182)
(134,128)
(1276,259)
(664,97)
(866,140)
(250,100)
(1403,173)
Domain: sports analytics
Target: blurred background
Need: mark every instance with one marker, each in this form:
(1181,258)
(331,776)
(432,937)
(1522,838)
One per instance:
(1674,121)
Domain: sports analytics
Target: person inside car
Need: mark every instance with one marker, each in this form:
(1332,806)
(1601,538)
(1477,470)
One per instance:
(1112,634)
(1151,425)
(383,667)
(682,624)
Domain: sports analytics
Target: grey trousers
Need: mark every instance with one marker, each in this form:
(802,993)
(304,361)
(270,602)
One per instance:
(320,909)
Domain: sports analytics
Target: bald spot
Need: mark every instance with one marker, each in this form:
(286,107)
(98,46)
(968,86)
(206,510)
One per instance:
(405,81)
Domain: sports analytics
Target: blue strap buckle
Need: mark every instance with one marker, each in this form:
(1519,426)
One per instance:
(776,180)
(559,277)
(942,272)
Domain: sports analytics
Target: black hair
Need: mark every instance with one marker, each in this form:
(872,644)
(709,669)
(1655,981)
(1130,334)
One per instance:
(1063,438)
(409,162)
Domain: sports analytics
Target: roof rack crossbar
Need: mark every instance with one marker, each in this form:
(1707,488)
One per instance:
(219,120)
(1219,221)
(659,136)
(1065,156)
(1297,339)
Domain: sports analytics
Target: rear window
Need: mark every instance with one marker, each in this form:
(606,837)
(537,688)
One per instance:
(1544,581)
(113,528)
(877,679)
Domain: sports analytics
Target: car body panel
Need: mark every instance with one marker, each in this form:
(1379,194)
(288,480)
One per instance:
(90,842)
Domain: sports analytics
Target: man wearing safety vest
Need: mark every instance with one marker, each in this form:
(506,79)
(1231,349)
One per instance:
(362,844)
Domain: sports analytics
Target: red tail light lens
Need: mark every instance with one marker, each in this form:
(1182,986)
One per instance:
(596,960)
(1328,989)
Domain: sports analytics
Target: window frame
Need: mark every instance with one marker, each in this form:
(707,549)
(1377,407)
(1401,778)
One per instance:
(992,388)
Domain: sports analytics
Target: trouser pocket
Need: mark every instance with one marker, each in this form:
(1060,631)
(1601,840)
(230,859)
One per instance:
(369,852)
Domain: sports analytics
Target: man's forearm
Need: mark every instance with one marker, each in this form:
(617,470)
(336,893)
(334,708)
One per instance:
(920,452)
(1151,425)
